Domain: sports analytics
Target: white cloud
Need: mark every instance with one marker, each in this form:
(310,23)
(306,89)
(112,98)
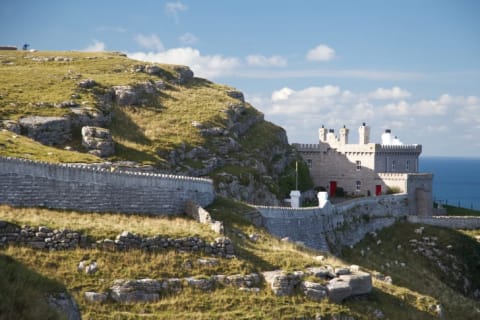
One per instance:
(321,53)
(393,93)
(151,41)
(281,94)
(262,61)
(95,46)
(428,108)
(188,38)
(173,8)
(209,66)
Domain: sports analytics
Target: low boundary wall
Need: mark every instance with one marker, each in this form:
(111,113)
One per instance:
(70,186)
(452,222)
(333,226)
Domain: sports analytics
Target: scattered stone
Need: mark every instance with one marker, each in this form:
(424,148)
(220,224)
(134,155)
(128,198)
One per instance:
(95,297)
(281,283)
(87,83)
(209,262)
(321,272)
(319,258)
(342,271)
(338,290)
(202,284)
(91,268)
(98,141)
(314,291)
(130,291)
(65,306)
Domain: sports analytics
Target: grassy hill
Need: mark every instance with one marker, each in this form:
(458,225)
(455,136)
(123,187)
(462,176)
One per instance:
(415,291)
(158,130)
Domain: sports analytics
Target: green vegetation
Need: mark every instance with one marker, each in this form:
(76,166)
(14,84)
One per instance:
(433,271)
(459,211)
(416,287)
(13,145)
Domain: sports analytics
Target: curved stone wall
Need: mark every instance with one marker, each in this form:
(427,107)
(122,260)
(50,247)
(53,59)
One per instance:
(67,186)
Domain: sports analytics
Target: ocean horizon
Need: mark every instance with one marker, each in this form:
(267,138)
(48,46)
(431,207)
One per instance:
(456,180)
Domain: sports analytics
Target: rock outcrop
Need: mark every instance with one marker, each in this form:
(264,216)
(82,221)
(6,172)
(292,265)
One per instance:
(98,141)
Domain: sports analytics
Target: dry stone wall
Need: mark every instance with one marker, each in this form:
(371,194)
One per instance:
(64,186)
(452,222)
(332,226)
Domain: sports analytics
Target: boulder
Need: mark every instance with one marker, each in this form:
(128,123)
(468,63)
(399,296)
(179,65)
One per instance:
(281,283)
(65,306)
(142,290)
(183,74)
(98,141)
(235,94)
(313,290)
(47,130)
(94,297)
(338,290)
(360,282)
(10,125)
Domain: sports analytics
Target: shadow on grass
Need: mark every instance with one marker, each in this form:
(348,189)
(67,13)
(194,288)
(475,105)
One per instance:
(23,292)
(378,302)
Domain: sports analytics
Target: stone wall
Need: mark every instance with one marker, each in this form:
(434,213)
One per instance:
(453,222)
(65,186)
(333,226)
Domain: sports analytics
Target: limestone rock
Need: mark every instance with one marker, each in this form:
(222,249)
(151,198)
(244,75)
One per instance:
(360,282)
(47,130)
(236,95)
(95,297)
(313,290)
(10,125)
(202,284)
(281,283)
(129,291)
(183,74)
(321,272)
(98,141)
(65,306)
(338,290)
(87,83)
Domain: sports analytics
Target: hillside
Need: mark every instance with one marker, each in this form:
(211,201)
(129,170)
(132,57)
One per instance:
(160,117)
(407,284)
(163,119)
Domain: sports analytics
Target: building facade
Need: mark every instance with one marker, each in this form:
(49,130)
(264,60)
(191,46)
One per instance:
(366,168)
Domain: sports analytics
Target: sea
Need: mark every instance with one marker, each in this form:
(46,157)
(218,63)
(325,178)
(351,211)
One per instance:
(456,181)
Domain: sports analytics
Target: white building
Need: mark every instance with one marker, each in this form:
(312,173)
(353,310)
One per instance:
(367,169)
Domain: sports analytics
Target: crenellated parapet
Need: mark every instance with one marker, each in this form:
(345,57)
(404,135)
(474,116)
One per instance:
(404,148)
(75,186)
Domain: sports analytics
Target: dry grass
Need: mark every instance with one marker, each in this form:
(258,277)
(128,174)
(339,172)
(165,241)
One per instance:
(105,225)
(13,145)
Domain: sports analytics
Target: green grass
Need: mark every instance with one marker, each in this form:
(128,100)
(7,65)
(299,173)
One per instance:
(144,133)
(415,288)
(425,277)
(459,211)
(13,145)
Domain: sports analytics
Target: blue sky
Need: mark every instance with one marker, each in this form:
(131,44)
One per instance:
(411,66)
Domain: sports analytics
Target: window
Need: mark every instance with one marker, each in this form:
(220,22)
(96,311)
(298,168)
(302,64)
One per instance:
(358,186)
(359,165)
(309,163)
(394,164)
(407,165)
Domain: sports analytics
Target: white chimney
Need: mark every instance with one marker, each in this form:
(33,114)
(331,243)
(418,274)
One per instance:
(387,137)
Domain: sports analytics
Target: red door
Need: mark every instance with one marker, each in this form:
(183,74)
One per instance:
(333,188)
(378,189)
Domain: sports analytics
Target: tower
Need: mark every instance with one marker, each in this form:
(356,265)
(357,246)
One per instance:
(364,134)
(344,135)
(322,134)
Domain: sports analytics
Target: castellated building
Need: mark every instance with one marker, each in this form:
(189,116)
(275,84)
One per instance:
(366,168)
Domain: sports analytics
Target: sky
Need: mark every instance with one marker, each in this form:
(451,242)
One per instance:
(412,66)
